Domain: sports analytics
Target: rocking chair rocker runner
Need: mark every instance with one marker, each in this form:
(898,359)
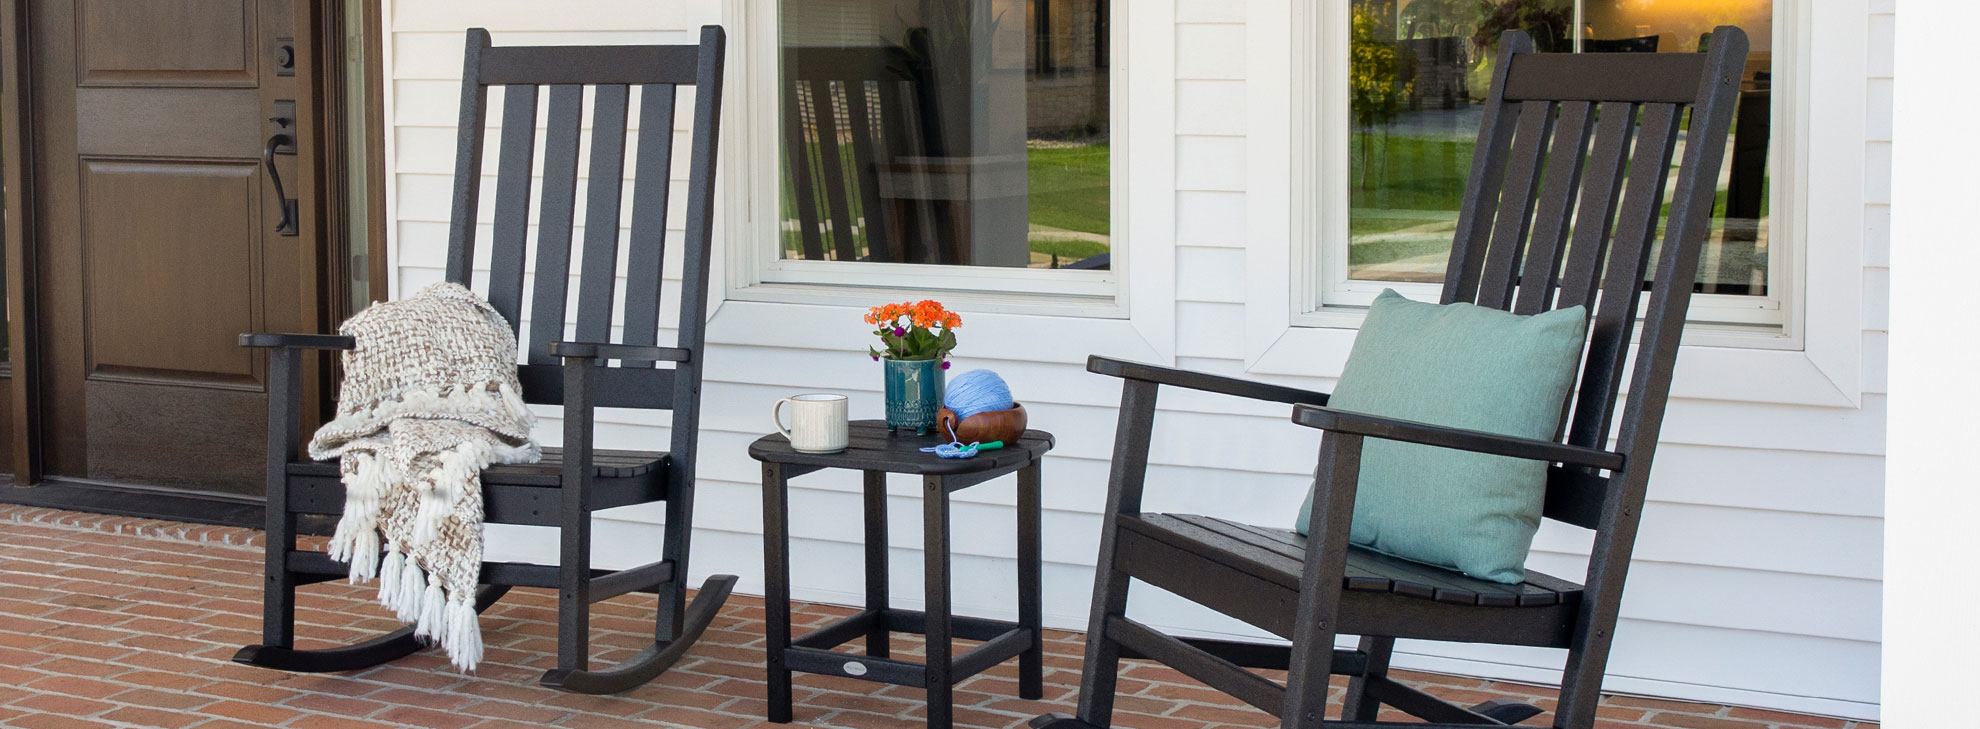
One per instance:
(1309,589)
(570,483)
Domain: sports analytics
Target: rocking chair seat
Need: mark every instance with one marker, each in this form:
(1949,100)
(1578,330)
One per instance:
(621,478)
(1378,586)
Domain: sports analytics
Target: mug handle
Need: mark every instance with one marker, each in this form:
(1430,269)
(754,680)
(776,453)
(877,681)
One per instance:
(775,418)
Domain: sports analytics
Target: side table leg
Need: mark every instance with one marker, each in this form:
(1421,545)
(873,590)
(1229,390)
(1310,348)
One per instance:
(877,639)
(1031,663)
(777,590)
(935,554)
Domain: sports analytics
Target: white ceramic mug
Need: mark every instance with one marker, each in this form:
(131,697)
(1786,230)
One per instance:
(818,422)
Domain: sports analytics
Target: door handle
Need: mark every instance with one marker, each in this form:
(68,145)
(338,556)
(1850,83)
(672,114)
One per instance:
(288,226)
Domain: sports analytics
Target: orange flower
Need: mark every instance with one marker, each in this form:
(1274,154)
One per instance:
(894,321)
(923,314)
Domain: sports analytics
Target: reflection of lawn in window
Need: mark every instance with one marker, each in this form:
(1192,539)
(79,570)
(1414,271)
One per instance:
(1068,249)
(1068,198)
(1404,208)
(1069,187)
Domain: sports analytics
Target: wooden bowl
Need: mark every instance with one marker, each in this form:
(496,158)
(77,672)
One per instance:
(1004,425)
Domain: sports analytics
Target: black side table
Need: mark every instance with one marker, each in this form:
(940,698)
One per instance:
(877,452)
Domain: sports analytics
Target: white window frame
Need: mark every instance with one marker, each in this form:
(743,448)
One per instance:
(757,271)
(1812,356)
(1744,320)
(1043,326)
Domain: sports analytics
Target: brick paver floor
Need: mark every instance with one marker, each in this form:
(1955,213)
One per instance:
(118,622)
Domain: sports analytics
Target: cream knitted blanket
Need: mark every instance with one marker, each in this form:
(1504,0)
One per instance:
(429,399)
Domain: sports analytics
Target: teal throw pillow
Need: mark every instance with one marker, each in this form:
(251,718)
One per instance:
(1460,366)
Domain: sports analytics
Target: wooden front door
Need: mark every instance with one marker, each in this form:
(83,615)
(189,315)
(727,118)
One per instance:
(160,234)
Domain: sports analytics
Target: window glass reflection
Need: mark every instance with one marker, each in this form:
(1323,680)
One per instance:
(1419,71)
(949,132)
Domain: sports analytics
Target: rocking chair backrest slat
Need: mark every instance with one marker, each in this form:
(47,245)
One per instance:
(1554,219)
(610,72)
(1557,195)
(645,264)
(1629,256)
(511,244)
(1601,191)
(554,221)
(1536,124)
(599,280)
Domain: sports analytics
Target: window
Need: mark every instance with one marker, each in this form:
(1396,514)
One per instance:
(1415,77)
(944,144)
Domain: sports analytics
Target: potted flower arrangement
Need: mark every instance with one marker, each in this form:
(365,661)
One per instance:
(915,338)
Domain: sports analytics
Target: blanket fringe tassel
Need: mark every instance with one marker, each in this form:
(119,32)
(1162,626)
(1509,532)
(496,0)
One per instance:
(447,620)
(356,538)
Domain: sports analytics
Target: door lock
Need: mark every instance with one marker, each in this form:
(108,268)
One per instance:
(285,56)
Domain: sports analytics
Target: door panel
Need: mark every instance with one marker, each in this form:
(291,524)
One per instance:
(177,437)
(206,267)
(157,239)
(125,43)
(127,122)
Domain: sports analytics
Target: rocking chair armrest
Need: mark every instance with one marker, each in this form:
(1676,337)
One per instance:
(633,352)
(297,341)
(1202,381)
(1373,426)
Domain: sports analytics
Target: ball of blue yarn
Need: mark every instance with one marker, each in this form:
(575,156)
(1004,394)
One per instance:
(977,391)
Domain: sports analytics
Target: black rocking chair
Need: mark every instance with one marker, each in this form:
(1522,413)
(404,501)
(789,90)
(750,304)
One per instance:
(570,483)
(1534,151)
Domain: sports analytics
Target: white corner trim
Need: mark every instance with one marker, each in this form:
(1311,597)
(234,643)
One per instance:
(1836,133)
(1148,204)
(1274,93)
(1286,94)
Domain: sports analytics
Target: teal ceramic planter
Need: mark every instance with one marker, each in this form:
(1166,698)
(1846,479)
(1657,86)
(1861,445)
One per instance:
(914,393)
